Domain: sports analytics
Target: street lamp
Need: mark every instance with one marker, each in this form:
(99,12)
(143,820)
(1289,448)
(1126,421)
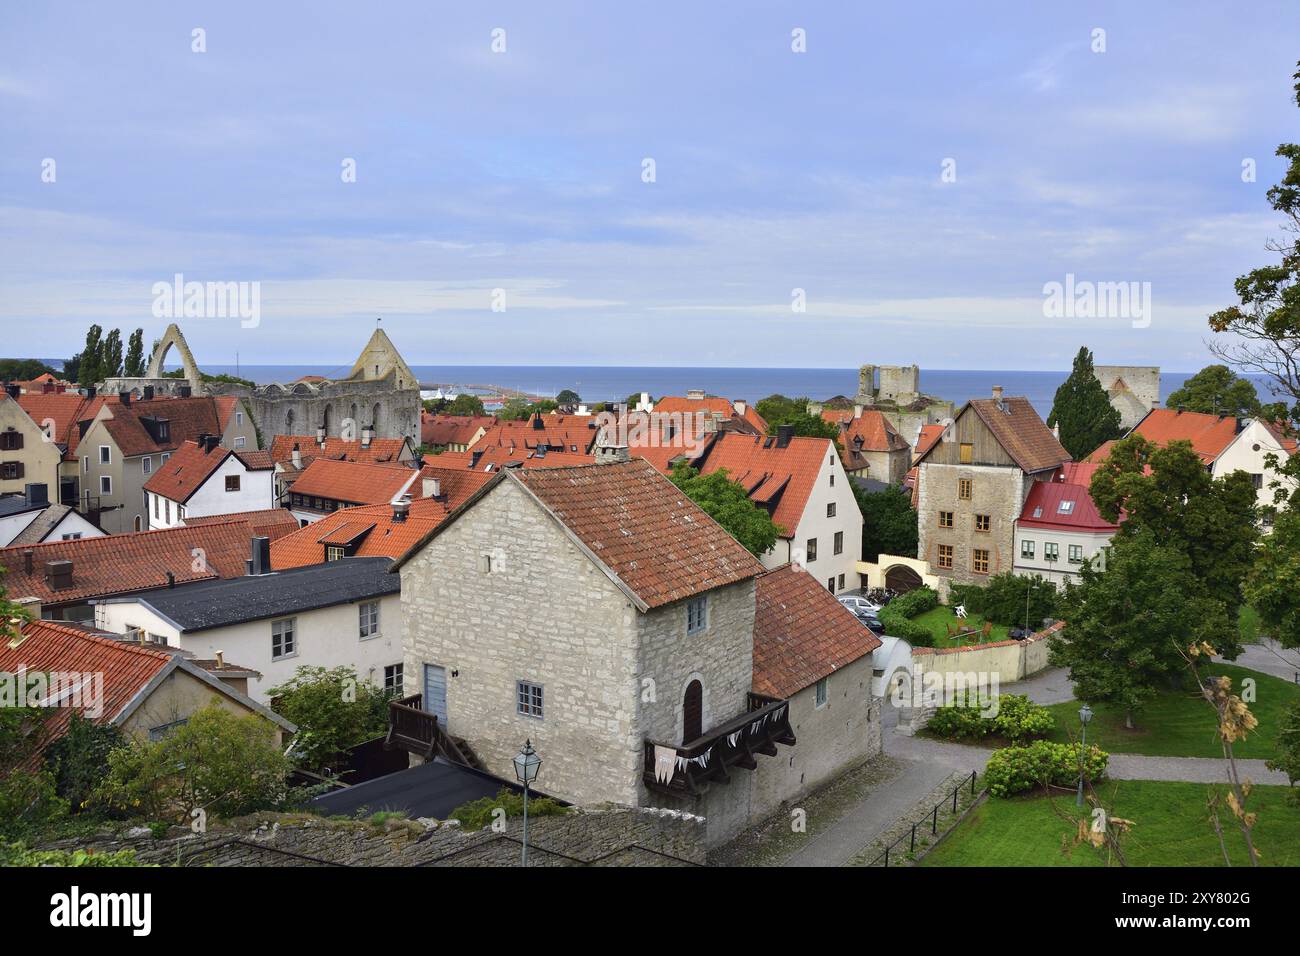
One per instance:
(1085,715)
(527,763)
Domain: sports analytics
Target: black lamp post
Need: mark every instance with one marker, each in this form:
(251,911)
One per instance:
(527,763)
(1085,715)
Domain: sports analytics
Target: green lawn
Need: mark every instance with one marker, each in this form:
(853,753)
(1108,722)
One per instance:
(1181,724)
(1172,828)
(938,618)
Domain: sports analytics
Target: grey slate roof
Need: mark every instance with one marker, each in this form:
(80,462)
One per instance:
(41,525)
(202,605)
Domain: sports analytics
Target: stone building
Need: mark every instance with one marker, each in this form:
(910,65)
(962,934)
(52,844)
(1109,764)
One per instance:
(380,395)
(597,612)
(972,484)
(1133,389)
(895,392)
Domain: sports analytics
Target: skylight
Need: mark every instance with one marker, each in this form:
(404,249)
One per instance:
(1066,507)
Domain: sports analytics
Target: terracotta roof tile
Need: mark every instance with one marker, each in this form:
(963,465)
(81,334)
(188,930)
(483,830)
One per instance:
(64,410)
(489,458)
(1209,434)
(452,429)
(753,423)
(570,433)
(651,537)
(186,471)
(926,439)
(188,418)
(354,481)
(871,426)
(802,633)
(1021,433)
(379,450)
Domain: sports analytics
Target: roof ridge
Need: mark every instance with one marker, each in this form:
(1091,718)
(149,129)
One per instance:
(80,634)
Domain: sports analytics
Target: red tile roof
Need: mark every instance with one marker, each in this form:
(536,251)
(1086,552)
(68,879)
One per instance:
(354,481)
(380,449)
(780,479)
(186,471)
(1046,498)
(1279,431)
(875,430)
(452,429)
(380,535)
(752,423)
(802,633)
(1209,434)
(926,439)
(188,417)
(571,433)
(137,561)
(487,458)
(52,646)
(267,522)
(655,541)
(64,410)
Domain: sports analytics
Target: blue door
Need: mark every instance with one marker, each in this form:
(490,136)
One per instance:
(435,692)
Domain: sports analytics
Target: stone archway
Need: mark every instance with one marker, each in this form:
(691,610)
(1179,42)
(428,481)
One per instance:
(902,578)
(173,338)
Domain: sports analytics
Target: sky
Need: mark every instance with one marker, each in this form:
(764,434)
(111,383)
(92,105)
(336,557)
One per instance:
(901,189)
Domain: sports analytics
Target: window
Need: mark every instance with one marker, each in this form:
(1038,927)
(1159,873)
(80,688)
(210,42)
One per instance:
(841,583)
(1051,550)
(697,615)
(155,507)
(839,542)
(146,464)
(85,464)
(945,556)
(72,537)
(164,730)
(965,486)
(982,523)
(239,442)
(167,510)
(1065,508)
(11,440)
(830,584)
(822,692)
(239,420)
(528,699)
(967,453)
(1026,549)
(105,455)
(945,519)
(368,614)
(105,484)
(12,470)
(165,456)
(393,680)
(1076,554)
(832,477)
(335,551)
(232,482)
(980,561)
(812,550)
(284,638)
(1257,479)
(830,510)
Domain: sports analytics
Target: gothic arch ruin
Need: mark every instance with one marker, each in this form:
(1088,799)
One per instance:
(172,338)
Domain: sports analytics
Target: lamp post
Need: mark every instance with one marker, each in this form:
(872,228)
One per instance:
(1085,715)
(527,763)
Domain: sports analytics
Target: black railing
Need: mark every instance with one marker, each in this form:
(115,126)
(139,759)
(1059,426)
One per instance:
(933,816)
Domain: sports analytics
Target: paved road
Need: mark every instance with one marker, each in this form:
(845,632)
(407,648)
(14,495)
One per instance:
(1052,686)
(1192,769)
(1271,658)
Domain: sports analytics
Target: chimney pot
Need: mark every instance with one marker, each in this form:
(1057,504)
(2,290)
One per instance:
(997,394)
(221,659)
(28,557)
(783,435)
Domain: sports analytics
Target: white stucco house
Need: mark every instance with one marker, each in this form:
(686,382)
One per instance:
(30,518)
(342,613)
(202,479)
(1060,529)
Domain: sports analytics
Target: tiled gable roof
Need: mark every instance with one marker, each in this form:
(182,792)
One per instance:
(379,450)
(753,423)
(871,426)
(265,522)
(136,561)
(64,410)
(929,435)
(354,481)
(650,537)
(1021,433)
(572,433)
(185,471)
(1284,435)
(488,458)
(802,633)
(188,418)
(452,429)
(1209,434)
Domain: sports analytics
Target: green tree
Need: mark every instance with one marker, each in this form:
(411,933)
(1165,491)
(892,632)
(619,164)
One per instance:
(518,409)
(1288,748)
(112,353)
(1216,390)
(333,709)
(72,369)
(134,364)
(778,410)
(888,522)
(568,397)
(1167,492)
(217,761)
(1011,599)
(1129,623)
(91,368)
(1083,411)
(463,404)
(1272,586)
(23,370)
(78,760)
(727,504)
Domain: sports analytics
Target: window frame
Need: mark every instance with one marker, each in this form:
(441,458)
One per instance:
(530,699)
(940,556)
(292,629)
(821,693)
(362,623)
(965,489)
(976,560)
(698,608)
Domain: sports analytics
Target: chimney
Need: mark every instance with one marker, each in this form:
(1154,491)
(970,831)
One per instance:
(739,406)
(583,410)
(48,387)
(261,555)
(58,574)
(148,393)
(171,579)
(1056,431)
(221,659)
(1241,425)
(710,424)
(695,394)
(645,401)
(857,411)
(210,442)
(28,557)
(367,436)
(401,506)
(90,391)
(124,397)
(997,394)
(12,390)
(37,495)
(185,391)
(538,424)
(431,487)
(296,456)
(783,435)
(320,435)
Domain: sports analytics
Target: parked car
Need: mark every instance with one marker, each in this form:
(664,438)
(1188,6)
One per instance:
(856,603)
(871,622)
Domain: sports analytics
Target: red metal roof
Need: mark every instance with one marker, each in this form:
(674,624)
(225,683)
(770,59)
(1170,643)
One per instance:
(1043,508)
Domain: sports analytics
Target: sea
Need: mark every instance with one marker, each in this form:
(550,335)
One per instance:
(614,383)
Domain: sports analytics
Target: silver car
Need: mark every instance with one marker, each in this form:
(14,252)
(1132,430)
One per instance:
(858,604)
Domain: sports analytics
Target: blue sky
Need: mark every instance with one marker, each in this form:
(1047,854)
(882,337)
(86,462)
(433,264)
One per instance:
(522,171)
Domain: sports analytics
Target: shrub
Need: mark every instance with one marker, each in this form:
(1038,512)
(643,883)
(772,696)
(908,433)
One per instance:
(959,723)
(915,602)
(334,710)
(896,625)
(1002,599)
(1041,764)
(477,814)
(15,854)
(1018,719)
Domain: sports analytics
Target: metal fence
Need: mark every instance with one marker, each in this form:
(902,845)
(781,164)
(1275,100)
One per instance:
(883,858)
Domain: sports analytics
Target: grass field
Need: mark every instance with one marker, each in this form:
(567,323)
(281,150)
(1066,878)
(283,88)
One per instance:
(1181,724)
(937,619)
(1172,828)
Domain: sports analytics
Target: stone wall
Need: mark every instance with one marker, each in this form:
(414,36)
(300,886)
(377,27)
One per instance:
(997,492)
(608,836)
(1138,394)
(1010,660)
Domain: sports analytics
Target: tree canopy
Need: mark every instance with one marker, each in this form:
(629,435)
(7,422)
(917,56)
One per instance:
(727,504)
(1216,390)
(888,522)
(1083,411)
(779,410)
(462,404)
(334,710)
(23,370)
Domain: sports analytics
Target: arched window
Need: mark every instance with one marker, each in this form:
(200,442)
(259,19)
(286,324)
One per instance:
(693,712)
(375,419)
(325,419)
(288,422)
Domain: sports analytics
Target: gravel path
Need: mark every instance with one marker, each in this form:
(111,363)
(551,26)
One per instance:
(1190,769)
(1269,657)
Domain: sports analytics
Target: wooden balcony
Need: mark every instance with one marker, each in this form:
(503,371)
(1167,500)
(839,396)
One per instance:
(711,758)
(415,730)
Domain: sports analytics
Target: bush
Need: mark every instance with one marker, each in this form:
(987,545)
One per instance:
(896,625)
(15,854)
(915,602)
(1041,764)
(78,760)
(959,723)
(477,814)
(334,711)
(1018,719)
(1002,599)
